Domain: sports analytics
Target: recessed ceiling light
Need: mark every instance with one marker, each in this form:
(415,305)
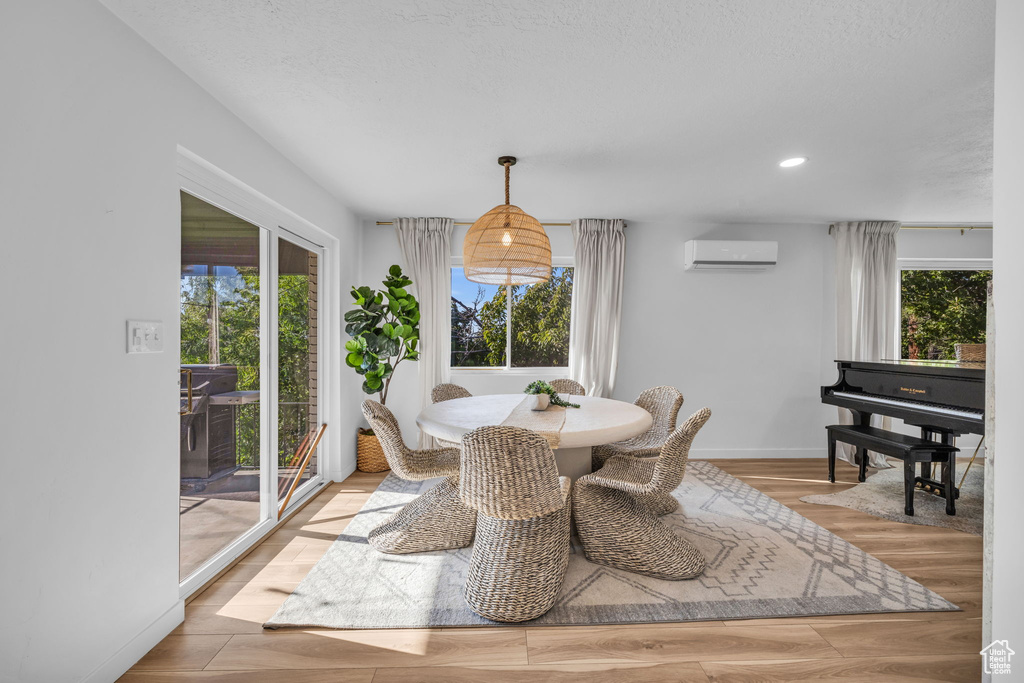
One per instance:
(790,163)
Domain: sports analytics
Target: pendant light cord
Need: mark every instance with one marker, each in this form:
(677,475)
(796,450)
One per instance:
(507,166)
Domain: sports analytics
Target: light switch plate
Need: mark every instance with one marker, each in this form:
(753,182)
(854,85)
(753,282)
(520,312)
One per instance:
(145,336)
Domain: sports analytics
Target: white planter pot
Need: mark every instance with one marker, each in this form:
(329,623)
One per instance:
(540,401)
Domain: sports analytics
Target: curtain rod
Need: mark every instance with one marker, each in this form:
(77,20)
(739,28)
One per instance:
(548,225)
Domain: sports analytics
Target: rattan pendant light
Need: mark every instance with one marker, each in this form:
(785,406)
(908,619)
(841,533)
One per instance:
(507,246)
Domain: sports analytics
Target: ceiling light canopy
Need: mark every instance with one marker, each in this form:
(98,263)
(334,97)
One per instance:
(506,246)
(790,163)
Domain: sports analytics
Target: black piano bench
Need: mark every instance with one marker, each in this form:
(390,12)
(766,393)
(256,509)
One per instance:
(910,449)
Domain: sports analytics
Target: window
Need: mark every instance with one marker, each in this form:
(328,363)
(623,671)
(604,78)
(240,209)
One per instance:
(939,309)
(539,330)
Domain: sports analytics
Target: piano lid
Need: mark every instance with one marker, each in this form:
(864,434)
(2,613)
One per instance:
(972,369)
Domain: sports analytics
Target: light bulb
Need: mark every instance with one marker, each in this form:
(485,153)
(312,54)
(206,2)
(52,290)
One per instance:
(790,163)
(506,239)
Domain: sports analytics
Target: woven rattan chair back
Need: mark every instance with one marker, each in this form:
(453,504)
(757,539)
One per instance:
(671,465)
(568,386)
(385,426)
(509,473)
(663,403)
(448,392)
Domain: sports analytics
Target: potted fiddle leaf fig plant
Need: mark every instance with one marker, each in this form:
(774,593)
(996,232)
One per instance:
(385,328)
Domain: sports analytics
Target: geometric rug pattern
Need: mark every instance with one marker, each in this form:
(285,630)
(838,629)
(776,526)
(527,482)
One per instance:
(763,560)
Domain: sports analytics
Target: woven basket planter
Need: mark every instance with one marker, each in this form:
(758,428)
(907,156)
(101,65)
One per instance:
(970,352)
(369,454)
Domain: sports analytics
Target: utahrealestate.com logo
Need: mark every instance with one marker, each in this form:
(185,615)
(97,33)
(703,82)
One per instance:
(997,657)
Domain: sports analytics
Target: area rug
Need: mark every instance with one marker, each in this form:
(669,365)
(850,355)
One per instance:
(764,560)
(882,496)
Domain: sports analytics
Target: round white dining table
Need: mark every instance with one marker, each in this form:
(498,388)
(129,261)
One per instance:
(597,421)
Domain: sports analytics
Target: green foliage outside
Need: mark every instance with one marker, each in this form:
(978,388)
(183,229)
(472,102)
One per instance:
(942,308)
(237,310)
(540,325)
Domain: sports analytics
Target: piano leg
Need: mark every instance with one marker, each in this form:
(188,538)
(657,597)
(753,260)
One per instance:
(909,482)
(950,440)
(831,459)
(949,479)
(863,419)
(926,467)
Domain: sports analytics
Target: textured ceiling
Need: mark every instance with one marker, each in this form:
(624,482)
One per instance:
(641,109)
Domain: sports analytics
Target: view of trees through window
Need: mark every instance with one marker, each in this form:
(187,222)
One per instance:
(220,324)
(942,308)
(540,322)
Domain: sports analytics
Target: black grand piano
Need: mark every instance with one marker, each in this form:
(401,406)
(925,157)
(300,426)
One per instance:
(944,398)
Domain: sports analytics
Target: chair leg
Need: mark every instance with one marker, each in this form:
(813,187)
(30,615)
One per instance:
(909,475)
(863,475)
(437,520)
(518,565)
(831,458)
(619,531)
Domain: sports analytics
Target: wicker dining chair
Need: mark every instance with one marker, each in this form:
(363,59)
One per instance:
(615,518)
(522,531)
(448,392)
(663,404)
(568,386)
(435,520)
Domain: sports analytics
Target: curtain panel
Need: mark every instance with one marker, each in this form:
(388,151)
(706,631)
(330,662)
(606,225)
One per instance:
(867,303)
(596,303)
(427,255)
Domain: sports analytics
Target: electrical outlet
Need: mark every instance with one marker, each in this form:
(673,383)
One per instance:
(145,336)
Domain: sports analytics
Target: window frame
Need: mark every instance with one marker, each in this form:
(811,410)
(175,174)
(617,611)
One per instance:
(507,369)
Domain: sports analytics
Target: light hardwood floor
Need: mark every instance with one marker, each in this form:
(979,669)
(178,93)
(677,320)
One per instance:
(222,639)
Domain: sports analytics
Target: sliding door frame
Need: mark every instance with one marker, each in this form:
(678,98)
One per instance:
(209,184)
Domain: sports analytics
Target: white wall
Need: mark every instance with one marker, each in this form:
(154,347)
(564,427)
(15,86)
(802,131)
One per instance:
(1007,551)
(90,121)
(755,347)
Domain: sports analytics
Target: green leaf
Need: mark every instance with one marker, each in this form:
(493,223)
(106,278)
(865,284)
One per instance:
(353,360)
(389,330)
(352,345)
(395,271)
(373,382)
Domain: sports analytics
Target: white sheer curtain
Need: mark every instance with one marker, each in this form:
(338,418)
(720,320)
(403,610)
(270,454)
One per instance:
(596,303)
(867,300)
(427,255)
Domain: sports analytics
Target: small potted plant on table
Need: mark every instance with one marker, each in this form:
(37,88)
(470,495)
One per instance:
(385,330)
(547,396)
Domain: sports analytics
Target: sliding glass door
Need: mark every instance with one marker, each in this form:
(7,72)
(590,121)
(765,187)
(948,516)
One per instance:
(298,386)
(221,394)
(251,402)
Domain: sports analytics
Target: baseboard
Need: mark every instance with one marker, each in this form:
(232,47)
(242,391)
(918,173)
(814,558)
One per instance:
(137,647)
(763,453)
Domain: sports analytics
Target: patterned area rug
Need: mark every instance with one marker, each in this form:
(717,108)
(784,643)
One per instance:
(882,496)
(764,560)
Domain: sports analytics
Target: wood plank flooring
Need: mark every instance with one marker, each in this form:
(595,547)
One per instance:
(222,640)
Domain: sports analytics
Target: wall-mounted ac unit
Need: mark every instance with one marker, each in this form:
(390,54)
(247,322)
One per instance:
(730,255)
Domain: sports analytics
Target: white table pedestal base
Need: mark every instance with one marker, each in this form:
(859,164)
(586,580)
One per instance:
(573,462)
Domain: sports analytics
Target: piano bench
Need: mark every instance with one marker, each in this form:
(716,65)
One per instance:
(910,449)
